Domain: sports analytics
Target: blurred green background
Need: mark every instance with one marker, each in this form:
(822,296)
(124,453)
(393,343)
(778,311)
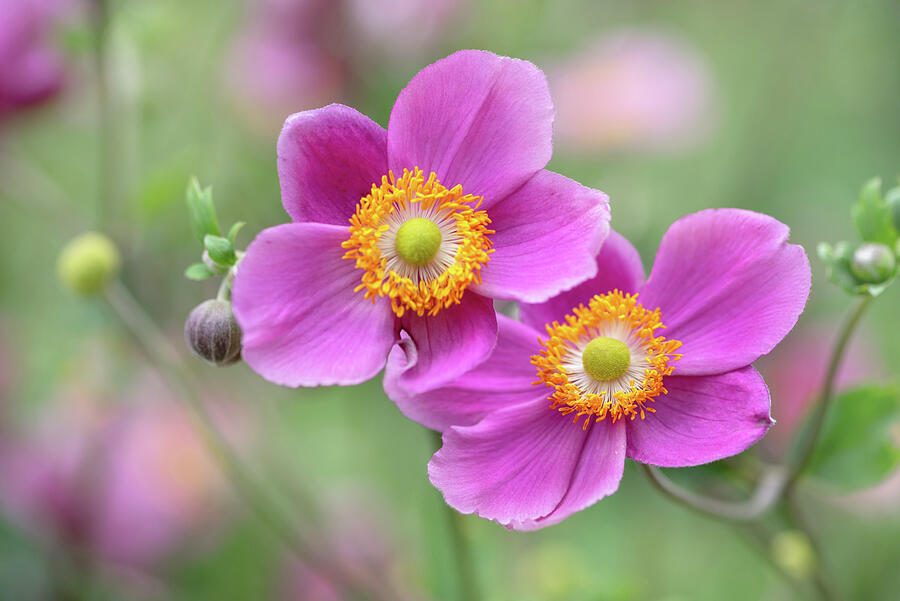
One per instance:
(802,109)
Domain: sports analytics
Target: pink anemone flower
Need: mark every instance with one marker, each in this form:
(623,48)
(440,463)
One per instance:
(414,228)
(528,450)
(30,70)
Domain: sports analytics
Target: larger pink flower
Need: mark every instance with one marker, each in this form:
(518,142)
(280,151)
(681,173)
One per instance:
(30,70)
(726,286)
(416,228)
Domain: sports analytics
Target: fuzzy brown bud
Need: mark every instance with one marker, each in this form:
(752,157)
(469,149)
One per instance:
(213,333)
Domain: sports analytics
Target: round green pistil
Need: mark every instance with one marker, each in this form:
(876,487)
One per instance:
(606,358)
(418,240)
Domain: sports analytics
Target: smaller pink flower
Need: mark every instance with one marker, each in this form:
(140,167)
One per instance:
(633,89)
(30,69)
(656,370)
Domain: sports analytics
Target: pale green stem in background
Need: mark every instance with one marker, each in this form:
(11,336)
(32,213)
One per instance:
(105,116)
(269,510)
(462,556)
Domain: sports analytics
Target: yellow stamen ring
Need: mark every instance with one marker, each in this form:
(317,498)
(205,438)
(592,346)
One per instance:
(418,243)
(605,360)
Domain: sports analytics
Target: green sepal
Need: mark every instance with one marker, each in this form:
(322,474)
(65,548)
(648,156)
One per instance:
(198,271)
(220,250)
(202,211)
(860,442)
(892,201)
(233,232)
(873,217)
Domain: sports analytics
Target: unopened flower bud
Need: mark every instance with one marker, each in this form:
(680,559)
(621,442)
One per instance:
(88,263)
(873,263)
(793,552)
(214,267)
(213,333)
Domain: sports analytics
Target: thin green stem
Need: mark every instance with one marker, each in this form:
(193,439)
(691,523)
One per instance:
(767,492)
(465,570)
(105,115)
(818,420)
(267,507)
(796,519)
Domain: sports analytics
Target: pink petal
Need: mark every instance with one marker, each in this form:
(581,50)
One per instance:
(729,287)
(303,325)
(702,419)
(442,347)
(618,266)
(514,466)
(328,160)
(548,233)
(597,474)
(475,119)
(504,379)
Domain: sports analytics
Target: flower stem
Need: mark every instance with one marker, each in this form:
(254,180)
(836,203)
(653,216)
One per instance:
(105,115)
(266,506)
(465,572)
(767,492)
(818,421)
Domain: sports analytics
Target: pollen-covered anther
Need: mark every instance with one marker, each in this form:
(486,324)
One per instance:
(605,360)
(418,243)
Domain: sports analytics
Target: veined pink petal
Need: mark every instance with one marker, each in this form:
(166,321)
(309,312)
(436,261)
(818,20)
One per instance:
(513,466)
(302,323)
(442,347)
(548,233)
(702,419)
(328,160)
(504,379)
(475,119)
(618,267)
(729,287)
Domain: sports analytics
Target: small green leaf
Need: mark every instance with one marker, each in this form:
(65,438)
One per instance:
(198,271)
(233,232)
(202,211)
(872,216)
(220,250)
(860,443)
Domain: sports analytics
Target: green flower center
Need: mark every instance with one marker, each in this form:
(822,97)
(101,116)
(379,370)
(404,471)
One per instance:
(606,358)
(418,240)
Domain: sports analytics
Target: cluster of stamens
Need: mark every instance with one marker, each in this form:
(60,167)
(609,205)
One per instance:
(418,243)
(605,360)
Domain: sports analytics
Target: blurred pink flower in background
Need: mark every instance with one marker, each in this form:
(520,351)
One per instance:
(357,537)
(633,89)
(287,58)
(30,68)
(128,483)
(794,373)
(294,55)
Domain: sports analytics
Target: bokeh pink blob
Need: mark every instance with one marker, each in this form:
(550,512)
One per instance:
(634,89)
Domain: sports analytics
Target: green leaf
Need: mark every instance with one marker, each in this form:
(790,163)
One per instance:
(198,271)
(873,217)
(233,232)
(220,250)
(860,443)
(202,211)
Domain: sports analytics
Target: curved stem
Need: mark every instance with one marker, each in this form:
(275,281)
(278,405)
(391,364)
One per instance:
(267,508)
(767,492)
(818,420)
(465,572)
